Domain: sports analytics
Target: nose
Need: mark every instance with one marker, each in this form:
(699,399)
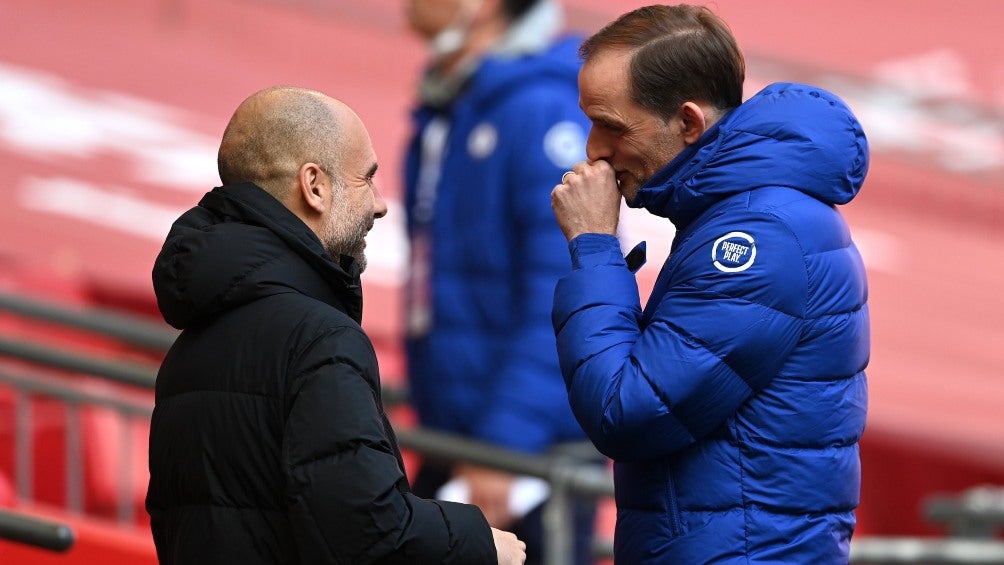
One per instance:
(379,204)
(597,147)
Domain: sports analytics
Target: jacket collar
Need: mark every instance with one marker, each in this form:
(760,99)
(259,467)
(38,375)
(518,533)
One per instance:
(787,134)
(250,203)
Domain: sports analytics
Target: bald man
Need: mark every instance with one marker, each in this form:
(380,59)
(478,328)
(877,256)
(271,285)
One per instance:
(269,442)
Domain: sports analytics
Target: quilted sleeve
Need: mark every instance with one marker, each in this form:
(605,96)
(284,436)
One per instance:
(721,320)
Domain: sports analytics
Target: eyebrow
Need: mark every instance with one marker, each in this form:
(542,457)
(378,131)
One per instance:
(607,122)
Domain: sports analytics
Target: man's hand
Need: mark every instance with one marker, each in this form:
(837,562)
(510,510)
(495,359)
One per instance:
(587,200)
(510,550)
(490,490)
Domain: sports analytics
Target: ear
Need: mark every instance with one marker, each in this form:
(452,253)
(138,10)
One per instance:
(695,121)
(314,186)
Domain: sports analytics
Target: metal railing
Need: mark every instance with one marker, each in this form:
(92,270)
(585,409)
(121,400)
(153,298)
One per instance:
(29,385)
(877,550)
(975,513)
(128,329)
(35,531)
(123,372)
(567,477)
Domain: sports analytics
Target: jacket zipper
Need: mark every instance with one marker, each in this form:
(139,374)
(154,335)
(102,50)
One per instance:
(674,511)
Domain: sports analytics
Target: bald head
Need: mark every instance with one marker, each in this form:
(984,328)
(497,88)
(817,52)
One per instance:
(274,131)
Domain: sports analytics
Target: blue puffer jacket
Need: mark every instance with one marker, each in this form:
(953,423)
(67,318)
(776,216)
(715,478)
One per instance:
(486,366)
(733,404)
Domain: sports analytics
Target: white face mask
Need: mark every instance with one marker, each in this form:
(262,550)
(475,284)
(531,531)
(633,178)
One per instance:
(453,36)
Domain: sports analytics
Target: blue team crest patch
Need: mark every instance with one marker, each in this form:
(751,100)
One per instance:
(733,252)
(482,140)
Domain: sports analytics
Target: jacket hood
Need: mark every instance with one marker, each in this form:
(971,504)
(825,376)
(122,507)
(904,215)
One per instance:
(240,244)
(498,74)
(788,134)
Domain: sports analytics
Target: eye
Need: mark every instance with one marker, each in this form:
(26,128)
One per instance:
(370,173)
(608,127)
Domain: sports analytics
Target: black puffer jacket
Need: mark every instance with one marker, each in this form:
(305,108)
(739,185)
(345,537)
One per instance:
(269,441)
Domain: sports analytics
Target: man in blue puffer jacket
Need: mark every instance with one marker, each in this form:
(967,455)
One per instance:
(497,124)
(733,403)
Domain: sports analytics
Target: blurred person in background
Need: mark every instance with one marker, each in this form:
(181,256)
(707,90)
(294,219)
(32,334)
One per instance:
(497,122)
(732,404)
(269,442)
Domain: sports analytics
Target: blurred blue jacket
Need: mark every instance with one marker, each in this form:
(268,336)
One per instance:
(484,364)
(733,403)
